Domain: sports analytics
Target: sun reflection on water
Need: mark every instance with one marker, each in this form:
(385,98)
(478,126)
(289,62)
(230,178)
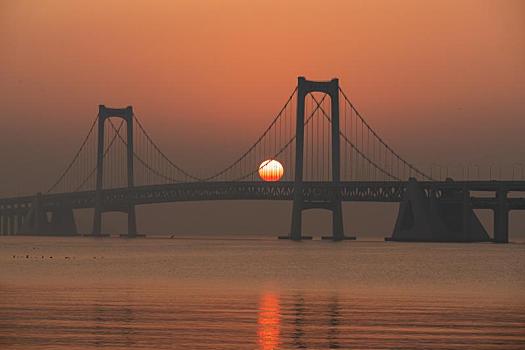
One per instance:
(268,322)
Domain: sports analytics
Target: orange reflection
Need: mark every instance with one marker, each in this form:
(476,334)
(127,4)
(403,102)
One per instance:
(269,322)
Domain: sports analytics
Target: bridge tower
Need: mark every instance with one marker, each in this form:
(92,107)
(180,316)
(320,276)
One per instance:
(103,114)
(331,88)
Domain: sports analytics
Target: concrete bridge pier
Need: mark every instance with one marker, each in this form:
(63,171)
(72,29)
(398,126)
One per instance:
(132,223)
(4,228)
(36,222)
(466,212)
(338,233)
(297,215)
(19,222)
(97,219)
(62,222)
(501,218)
(425,217)
(11,224)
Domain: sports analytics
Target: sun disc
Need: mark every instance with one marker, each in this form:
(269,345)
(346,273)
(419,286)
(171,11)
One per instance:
(271,170)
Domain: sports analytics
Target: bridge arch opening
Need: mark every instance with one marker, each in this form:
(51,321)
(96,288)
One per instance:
(317,223)
(114,223)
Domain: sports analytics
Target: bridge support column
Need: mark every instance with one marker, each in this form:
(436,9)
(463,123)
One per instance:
(35,221)
(333,200)
(132,222)
(103,114)
(19,222)
(297,214)
(4,224)
(337,222)
(465,214)
(97,221)
(11,225)
(501,218)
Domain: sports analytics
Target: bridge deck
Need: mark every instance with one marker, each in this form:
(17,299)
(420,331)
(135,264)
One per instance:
(364,191)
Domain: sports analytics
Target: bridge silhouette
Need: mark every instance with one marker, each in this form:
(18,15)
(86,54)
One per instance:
(331,154)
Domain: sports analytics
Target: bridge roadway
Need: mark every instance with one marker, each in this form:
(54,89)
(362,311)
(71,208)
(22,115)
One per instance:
(356,191)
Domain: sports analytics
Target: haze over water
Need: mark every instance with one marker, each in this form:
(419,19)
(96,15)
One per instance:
(253,292)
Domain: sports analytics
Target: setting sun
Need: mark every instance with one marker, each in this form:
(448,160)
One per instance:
(271,170)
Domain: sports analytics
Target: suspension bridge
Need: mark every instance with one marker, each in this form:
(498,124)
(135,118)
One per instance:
(330,152)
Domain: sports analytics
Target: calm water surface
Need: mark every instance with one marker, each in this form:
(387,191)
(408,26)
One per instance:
(241,293)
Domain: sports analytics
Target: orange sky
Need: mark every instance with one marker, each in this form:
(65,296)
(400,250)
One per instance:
(442,81)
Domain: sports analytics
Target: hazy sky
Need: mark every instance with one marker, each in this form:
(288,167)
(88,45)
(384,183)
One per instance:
(442,81)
